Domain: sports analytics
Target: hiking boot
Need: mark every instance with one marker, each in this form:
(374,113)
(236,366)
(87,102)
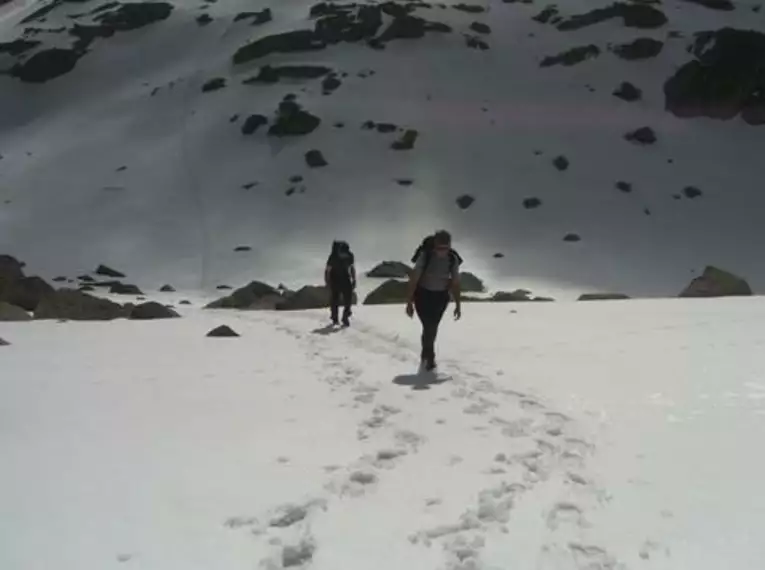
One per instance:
(346,322)
(430,364)
(334,321)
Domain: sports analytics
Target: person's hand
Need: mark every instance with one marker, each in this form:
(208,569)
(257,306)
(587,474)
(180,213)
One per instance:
(409,310)
(457,313)
(353,284)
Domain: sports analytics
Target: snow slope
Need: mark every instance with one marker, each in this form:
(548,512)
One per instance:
(565,436)
(179,209)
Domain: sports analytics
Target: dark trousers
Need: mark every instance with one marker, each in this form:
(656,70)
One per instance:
(430,307)
(340,290)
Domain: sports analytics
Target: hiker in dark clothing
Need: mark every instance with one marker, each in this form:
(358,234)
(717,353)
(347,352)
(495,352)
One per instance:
(434,278)
(340,277)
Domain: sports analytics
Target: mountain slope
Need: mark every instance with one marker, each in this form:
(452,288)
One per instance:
(491,122)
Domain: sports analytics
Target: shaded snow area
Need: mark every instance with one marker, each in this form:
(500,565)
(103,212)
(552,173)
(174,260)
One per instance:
(562,436)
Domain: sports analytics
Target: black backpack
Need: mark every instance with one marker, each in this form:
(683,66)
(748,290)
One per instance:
(427,246)
(340,259)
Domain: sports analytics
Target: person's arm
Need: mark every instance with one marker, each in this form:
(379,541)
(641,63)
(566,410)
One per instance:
(456,292)
(414,278)
(353,274)
(327,269)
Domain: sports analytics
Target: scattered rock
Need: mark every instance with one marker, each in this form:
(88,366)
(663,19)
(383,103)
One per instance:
(633,15)
(12,313)
(258,18)
(390,292)
(561,163)
(152,310)
(125,289)
(291,120)
(465,201)
(641,48)
(643,135)
(498,255)
(470,283)
(167,289)
(531,203)
(273,74)
(404,181)
(480,28)
(716,282)
(603,297)
(723,5)
(253,123)
(121,169)
(204,19)
(692,192)
(385,128)
(390,270)
(407,140)
(288,42)
(77,306)
(339,125)
(628,92)
(214,84)
(469,8)
(572,238)
(315,159)
(625,187)
(547,15)
(106,272)
(233,119)
(86,288)
(4,342)
(572,56)
(519,295)
(222,331)
(18,46)
(723,80)
(241,248)
(297,555)
(185,302)
(476,43)
(296,179)
(247,297)
(45,65)
(59,279)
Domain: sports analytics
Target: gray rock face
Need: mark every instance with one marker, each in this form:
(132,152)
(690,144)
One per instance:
(716,282)
(77,306)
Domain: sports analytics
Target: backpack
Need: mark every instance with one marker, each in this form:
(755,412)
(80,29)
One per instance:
(340,259)
(427,246)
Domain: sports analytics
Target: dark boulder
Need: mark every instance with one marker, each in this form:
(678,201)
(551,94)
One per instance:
(470,283)
(45,65)
(633,15)
(288,42)
(315,159)
(465,201)
(292,120)
(692,192)
(561,163)
(214,84)
(571,237)
(108,272)
(643,136)
(572,56)
(716,282)
(723,80)
(125,289)
(407,140)
(480,28)
(603,297)
(641,48)
(77,306)
(531,203)
(26,292)
(390,270)
(222,331)
(253,123)
(245,297)
(390,292)
(150,311)
(628,92)
(12,313)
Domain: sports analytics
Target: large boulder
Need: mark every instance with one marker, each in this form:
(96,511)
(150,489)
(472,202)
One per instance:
(77,306)
(308,297)
(4,342)
(12,313)
(152,310)
(603,297)
(222,331)
(11,269)
(247,297)
(469,283)
(390,270)
(26,292)
(390,292)
(125,289)
(107,271)
(716,282)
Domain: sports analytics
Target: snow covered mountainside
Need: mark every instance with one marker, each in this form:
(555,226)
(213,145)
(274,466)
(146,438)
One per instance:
(596,145)
(569,436)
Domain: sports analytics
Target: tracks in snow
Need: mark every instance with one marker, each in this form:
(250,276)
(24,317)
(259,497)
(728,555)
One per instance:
(513,448)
